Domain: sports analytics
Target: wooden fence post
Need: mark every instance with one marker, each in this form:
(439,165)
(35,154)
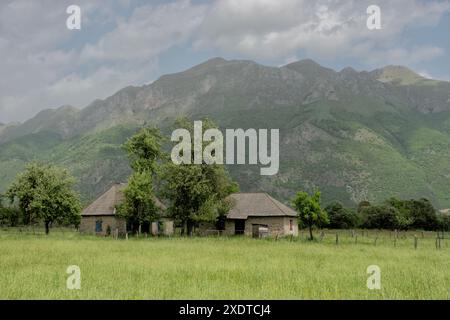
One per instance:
(356,239)
(337,239)
(415,242)
(126,235)
(376,239)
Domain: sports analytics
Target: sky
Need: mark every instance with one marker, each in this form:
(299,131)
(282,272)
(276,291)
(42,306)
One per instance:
(44,65)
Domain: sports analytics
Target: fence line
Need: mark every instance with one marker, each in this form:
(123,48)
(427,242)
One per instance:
(416,240)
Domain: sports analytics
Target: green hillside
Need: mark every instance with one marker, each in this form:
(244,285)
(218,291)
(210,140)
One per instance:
(355,135)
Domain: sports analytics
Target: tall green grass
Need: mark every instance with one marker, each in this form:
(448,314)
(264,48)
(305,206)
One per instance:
(33,266)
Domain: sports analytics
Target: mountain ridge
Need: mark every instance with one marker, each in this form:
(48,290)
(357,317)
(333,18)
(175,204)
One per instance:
(385,74)
(346,132)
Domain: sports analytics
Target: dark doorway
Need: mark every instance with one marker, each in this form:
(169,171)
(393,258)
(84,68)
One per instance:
(145,227)
(239,227)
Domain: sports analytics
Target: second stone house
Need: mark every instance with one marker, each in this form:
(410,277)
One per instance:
(259,214)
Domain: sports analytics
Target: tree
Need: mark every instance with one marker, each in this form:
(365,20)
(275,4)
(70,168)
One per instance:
(423,214)
(404,218)
(144,149)
(45,193)
(341,217)
(144,152)
(417,214)
(196,192)
(139,205)
(309,211)
(381,217)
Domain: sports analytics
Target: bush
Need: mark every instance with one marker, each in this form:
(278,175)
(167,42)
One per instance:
(381,217)
(362,205)
(444,222)
(10,216)
(341,217)
(423,214)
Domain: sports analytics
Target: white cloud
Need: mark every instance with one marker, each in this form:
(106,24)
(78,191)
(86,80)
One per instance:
(148,32)
(280,28)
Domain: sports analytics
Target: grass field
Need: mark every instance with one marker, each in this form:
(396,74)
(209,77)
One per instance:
(34,266)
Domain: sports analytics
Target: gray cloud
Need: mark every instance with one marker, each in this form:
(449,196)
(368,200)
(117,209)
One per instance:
(45,65)
(277,29)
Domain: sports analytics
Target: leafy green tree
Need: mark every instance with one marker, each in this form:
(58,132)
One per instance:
(45,193)
(380,217)
(144,152)
(417,214)
(196,192)
(341,217)
(309,211)
(404,218)
(223,208)
(144,149)
(139,205)
(423,214)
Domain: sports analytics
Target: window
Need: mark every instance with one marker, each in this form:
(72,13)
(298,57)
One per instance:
(291,225)
(98,226)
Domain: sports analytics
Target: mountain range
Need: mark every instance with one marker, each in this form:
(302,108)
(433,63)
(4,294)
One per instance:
(354,135)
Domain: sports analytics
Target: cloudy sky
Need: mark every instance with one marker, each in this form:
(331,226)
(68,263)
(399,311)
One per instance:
(133,42)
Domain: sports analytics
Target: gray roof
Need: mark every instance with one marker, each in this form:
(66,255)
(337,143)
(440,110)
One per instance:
(106,204)
(257,205)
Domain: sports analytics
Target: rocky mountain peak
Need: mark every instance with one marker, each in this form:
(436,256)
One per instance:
(398,75)
(310,68)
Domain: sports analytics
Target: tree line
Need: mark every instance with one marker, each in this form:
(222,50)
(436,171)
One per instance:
(391,214)
(196,193)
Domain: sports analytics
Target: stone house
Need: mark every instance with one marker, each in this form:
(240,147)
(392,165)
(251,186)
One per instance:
(100,216)
(258,214)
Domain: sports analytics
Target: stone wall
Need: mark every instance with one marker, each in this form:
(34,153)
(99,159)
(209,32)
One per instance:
(276,225)
(167,228)
(88,223)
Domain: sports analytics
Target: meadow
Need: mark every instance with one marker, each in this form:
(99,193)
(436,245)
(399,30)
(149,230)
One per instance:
(33,266)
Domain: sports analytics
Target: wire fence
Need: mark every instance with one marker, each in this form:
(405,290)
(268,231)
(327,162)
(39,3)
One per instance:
(413,239)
